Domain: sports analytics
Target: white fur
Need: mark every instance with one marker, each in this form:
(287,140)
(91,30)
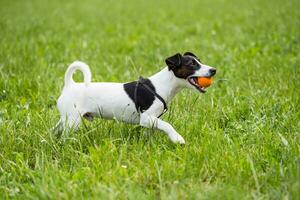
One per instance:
(110,101)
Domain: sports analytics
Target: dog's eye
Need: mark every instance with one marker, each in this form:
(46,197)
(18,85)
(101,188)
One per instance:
(194,62)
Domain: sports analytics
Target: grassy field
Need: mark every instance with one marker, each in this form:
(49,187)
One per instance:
(242,136)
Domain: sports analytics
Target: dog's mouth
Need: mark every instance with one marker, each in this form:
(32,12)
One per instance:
(194,82)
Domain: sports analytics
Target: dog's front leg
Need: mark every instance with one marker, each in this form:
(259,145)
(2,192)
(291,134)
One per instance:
(149,121)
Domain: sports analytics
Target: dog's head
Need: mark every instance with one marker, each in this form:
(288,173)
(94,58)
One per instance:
(188,68)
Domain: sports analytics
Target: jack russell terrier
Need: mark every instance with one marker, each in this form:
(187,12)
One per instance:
(139,102)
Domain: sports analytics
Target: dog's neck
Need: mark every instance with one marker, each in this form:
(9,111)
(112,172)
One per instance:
(166,84)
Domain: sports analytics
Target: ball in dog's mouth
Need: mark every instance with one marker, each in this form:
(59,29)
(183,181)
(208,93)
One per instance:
(204,81)
(201,83)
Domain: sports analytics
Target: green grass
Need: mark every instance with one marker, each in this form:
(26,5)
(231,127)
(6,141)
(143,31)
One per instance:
(242,135)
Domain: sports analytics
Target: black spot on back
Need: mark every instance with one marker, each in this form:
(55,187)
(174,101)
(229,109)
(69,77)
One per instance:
(144,98)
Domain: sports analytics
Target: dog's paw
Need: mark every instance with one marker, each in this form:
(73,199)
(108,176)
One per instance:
(178,139)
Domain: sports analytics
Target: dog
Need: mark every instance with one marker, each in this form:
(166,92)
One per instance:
(139,102)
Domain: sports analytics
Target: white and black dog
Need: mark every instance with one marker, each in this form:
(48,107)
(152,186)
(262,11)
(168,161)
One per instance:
(140,102)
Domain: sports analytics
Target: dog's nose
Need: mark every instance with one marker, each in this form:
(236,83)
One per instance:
(212,71)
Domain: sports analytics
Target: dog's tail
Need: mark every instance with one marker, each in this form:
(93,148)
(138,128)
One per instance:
(78,65)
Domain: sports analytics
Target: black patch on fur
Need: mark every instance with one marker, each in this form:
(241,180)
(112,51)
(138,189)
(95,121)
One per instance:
(174,61)
(189,54)
(144,98)
(183,66)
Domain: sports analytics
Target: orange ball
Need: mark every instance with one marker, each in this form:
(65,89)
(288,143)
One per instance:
(204,81)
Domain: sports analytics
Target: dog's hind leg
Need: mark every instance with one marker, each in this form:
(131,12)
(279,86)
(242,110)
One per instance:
(70,115)
(66,123)
(71,121)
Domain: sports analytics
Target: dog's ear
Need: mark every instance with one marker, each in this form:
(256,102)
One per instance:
(174,61)
(189,54)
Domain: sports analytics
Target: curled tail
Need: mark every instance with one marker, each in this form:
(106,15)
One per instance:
(78,65)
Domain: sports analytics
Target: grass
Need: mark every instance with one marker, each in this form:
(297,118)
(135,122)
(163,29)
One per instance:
(242,135)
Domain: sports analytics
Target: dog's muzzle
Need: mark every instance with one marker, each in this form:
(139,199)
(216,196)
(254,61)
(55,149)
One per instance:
(193,80)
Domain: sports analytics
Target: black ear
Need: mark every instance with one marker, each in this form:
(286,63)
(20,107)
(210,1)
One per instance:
(189,54)
(174,61)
